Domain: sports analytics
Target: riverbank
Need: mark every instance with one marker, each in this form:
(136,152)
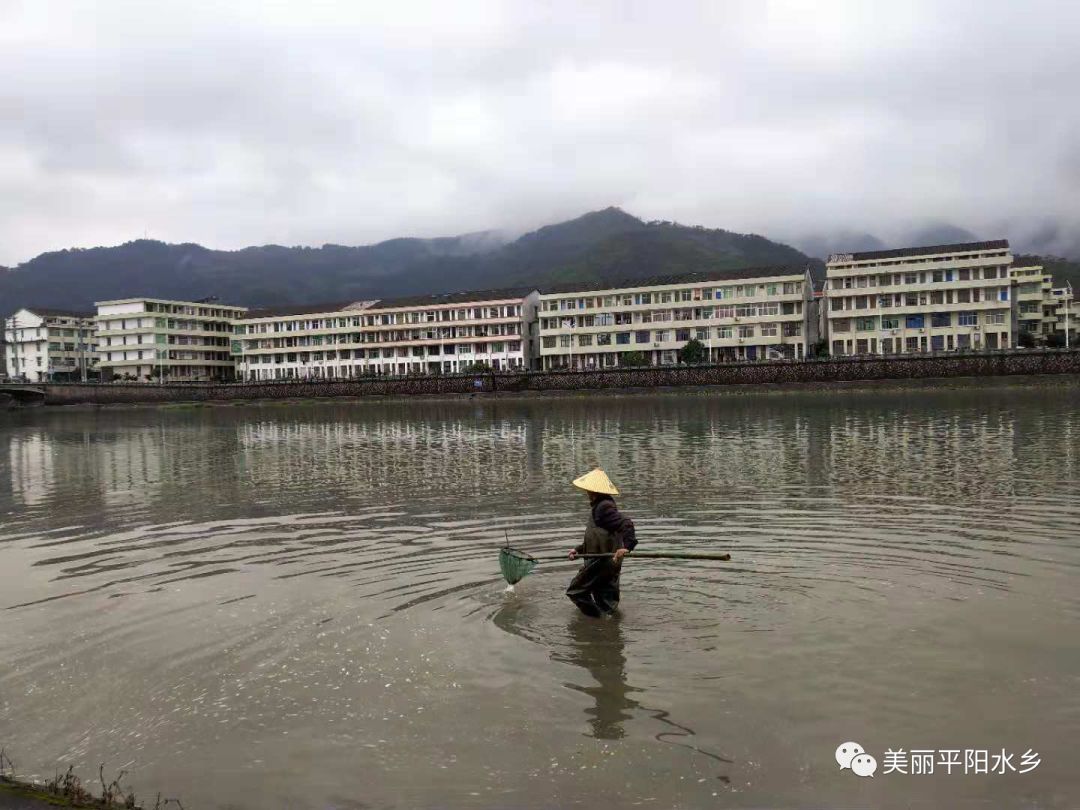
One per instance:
(63,792)
(927,386)
(753,376)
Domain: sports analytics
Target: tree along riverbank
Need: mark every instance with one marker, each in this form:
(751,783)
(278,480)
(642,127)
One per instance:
(799,373)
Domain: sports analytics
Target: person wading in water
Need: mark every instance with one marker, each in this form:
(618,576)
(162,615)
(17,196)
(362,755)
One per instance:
(595,590)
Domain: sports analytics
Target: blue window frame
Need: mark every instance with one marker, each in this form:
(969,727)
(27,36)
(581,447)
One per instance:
(941,319)
(914,321)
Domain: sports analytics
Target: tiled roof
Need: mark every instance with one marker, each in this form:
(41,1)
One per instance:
(452,298)
(300,309)
(682,278)
(1027,261)
(49,312)
(965,247)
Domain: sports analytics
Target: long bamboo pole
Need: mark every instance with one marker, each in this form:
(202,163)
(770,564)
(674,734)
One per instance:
(648,555)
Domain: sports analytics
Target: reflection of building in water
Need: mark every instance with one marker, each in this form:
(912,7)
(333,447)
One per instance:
(33,471)
(131,466)
(679,446)
(899,453)
(462,456)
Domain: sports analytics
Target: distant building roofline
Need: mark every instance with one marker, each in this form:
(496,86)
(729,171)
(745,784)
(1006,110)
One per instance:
(53,312)
(152,300)
(738,274)
(452,299)
(325,308)
(926,250)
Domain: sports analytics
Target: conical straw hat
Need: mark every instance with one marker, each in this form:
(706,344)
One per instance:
(596,481)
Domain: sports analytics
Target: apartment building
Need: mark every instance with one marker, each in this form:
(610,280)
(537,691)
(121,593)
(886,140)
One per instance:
(46,345)
(747,314)
(1034,307)
(920,299)
(430,334)
(174,341)
(1064,314)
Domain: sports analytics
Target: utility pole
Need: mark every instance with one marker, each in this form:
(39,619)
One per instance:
(1068,295)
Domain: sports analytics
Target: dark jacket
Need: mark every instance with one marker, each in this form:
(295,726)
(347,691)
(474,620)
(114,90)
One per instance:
(606,516)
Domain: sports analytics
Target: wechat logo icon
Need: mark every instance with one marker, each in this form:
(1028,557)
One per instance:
(853,756)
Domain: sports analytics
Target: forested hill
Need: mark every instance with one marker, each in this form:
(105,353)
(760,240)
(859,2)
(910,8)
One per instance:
(603,245)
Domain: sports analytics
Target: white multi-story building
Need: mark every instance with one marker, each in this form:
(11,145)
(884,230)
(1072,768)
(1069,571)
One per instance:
(747,314)
(920,299)
(319,341)
(154,338)
(431,334)
(44,345)
(1064,314)
(1034,307)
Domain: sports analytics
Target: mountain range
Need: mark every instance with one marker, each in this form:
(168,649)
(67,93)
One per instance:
(606,245)
(602,245)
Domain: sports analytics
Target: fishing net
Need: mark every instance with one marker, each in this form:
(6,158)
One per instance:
(515,565)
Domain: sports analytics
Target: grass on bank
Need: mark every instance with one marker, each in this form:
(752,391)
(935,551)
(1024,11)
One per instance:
(68,790)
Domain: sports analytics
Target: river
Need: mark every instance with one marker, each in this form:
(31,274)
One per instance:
(299,605)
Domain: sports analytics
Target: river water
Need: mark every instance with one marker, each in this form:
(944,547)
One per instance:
(299,605)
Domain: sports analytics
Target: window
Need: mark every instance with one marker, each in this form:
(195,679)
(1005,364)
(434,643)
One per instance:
(865,324)
(792,329)
(914,322)
(911,344)
(746,331)
(603,339)
(841,325)
(940,319)
(622,338)
(725,312)
(1003,294)
(969,318)
(724,332)
(682,334)
(768,330)
(641,337)
(995,317)
(584,340)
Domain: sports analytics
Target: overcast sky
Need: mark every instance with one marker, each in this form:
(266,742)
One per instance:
(232,123)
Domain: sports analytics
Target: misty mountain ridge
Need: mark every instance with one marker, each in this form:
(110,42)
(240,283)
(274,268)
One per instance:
(606,245)
(609,245)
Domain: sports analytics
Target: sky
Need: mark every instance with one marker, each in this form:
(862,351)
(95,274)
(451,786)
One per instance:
(302,123)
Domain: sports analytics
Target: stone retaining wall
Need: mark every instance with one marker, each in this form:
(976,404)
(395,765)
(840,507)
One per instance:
(848,369)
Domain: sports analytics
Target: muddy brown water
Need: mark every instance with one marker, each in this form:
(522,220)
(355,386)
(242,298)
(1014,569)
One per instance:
(288,606)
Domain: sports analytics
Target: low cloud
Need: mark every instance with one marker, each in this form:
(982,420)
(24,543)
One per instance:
(248,123)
